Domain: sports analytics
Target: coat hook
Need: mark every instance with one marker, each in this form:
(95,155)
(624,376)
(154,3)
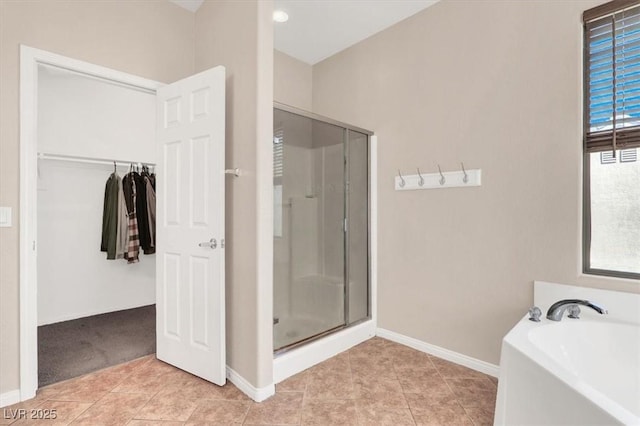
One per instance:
(115,168)
(465,179)
(421,180)
(442,180)
(401,184)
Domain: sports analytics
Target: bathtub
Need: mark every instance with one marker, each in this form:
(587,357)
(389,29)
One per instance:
(573,372)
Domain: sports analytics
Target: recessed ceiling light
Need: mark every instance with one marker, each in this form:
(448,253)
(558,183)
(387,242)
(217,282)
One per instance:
(280,16)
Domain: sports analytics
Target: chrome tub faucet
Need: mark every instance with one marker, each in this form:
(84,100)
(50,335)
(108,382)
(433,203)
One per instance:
(556,310)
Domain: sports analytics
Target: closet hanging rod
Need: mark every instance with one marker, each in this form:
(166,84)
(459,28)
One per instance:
(102,79)
(89,160)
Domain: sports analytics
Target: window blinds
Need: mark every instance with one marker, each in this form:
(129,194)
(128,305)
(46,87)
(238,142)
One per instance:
(278,153)
(612,78)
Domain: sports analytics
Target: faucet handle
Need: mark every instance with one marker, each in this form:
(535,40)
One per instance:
(574,311)
(534,314)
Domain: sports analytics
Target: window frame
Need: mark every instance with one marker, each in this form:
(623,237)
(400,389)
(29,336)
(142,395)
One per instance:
(586,229)
(598,12)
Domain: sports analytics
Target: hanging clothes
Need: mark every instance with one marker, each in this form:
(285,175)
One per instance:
(151,209)
(133,246)
(152,177)
(110,216)
(142,214)
(122,236)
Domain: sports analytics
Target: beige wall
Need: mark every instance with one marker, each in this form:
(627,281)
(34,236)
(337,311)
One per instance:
(248,60)
(497,85)
(292,81)
(149,39)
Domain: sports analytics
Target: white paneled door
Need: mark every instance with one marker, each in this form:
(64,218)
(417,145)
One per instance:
(190,326)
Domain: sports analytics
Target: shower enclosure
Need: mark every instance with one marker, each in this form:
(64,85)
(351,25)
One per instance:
(321,226)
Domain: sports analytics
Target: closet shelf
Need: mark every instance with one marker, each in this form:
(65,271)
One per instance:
(89,160)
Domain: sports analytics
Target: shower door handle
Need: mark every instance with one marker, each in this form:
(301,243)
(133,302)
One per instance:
(212,243)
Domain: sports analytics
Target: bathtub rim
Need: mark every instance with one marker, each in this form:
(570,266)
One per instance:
(517,339)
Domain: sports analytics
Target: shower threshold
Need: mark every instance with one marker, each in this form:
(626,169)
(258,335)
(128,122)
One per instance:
(293,360)
(286,348)
(302,342)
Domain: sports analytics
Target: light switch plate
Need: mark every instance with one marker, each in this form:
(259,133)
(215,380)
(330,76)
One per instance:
(5,217)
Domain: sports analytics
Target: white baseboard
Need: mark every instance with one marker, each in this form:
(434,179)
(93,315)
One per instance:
(455,357)
(257,394)
(299,359)
(90,313)
(9,398)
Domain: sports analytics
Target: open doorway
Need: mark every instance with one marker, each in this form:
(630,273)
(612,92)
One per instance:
(96,308)
(183,133)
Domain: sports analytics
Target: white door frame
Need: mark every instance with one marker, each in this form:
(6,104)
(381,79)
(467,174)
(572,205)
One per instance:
(30,58)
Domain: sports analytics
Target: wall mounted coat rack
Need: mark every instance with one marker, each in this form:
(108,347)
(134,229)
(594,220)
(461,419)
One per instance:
(439,180)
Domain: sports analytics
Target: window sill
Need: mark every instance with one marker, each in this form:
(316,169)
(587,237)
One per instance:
(609,278)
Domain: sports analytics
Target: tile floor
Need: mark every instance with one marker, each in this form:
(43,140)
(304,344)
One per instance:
(375,383)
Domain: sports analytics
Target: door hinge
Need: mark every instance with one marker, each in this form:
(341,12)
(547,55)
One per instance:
(222,243)
(344,225)
(33,245)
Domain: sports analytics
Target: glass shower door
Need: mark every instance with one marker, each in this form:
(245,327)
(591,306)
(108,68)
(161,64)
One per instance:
(309,228)
(357,201)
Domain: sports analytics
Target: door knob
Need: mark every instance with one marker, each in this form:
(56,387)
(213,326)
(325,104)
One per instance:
(212,243)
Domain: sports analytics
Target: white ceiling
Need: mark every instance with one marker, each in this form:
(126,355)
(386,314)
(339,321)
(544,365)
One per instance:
(317,29)
(191,5)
